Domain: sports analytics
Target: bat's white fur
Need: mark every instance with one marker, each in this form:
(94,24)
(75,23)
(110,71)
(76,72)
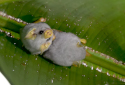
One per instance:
(34,45)
(63,50)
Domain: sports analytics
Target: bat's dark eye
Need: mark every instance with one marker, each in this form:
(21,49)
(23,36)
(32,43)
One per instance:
(41,32)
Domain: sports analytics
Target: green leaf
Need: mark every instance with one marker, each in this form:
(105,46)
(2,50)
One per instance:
(101,23)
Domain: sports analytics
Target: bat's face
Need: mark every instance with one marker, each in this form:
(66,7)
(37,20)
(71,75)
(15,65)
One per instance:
(38,34)
(39,30)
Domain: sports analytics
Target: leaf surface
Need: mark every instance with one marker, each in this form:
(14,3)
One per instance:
(101,23)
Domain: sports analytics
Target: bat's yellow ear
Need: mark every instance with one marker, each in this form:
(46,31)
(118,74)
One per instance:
(48,33)
(31,35)
(41,20)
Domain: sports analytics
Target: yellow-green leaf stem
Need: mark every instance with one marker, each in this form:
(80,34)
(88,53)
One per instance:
(106,62)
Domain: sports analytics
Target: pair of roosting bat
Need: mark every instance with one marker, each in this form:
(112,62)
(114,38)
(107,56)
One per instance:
(61,48)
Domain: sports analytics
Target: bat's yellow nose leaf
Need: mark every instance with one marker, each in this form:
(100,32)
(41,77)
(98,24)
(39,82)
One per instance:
(48,33)
(31,35)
